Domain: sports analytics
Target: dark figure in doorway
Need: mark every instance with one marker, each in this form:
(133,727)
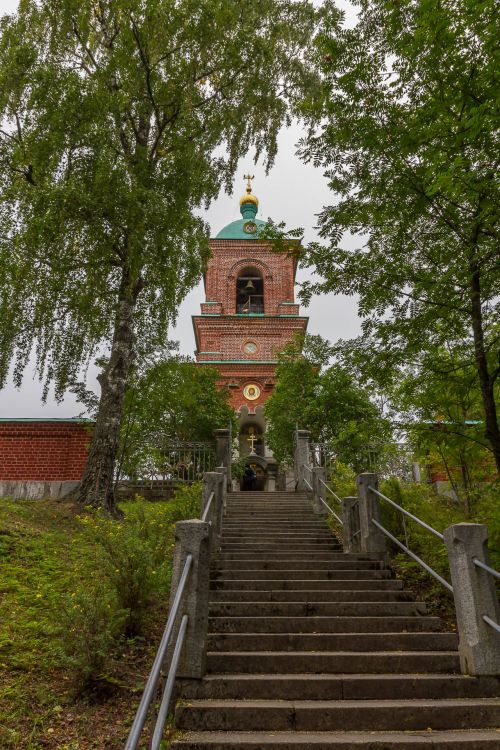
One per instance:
(249,478)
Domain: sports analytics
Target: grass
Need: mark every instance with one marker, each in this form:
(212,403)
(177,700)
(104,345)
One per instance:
(83,602)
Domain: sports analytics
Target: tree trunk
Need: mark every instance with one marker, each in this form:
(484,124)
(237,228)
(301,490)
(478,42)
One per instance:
(492,431)
(97,485)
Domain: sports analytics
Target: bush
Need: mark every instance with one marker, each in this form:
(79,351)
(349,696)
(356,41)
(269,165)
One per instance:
(91,623)
(439,512)
(124,570)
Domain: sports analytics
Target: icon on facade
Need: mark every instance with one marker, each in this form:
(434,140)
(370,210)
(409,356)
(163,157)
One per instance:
(251,392)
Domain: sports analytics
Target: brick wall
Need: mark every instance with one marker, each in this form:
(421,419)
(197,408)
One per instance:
(230,257)
(52,450)
(221,334)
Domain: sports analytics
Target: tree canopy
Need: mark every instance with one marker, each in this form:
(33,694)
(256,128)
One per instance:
(120,121)
(406,127)
(173,401)
(321,397)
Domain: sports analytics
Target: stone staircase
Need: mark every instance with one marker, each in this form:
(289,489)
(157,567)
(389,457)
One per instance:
(310,647)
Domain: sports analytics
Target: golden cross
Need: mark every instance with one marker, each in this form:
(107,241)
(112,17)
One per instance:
(249,177)
(252,439)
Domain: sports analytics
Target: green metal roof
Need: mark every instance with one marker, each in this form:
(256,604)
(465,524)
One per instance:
(235,230)
(246,228)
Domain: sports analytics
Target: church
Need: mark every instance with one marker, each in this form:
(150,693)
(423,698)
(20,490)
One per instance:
(249,314)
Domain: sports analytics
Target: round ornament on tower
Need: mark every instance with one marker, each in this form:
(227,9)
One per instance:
(251,391)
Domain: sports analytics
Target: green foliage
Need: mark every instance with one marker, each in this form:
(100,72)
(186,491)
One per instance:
(406,126)
(324,399)
(120,121)
(91,622)
(173,400)
(439,512)
(440,402)
(75,587)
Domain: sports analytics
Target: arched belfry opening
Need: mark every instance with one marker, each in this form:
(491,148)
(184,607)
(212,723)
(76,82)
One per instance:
(249,291)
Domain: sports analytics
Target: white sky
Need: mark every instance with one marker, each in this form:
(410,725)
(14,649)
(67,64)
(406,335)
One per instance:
(292,192)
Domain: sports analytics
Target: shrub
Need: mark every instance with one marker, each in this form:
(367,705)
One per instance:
(90,625)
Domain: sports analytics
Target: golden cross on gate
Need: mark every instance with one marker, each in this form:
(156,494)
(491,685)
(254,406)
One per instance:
(249,177)
(252,440)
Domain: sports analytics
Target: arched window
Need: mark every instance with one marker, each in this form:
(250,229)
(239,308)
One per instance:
(249,291)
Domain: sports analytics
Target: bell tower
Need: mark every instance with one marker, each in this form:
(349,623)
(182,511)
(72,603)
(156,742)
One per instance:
(248,315)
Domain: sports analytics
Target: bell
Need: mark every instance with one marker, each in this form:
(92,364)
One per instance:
(249,287)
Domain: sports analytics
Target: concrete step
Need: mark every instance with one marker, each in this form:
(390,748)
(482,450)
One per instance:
(306,565)
(361,642)
(333,662)
(394,624)
(295,584)
(313,549)
(294,538)
(320,609)
(345,715)
(308,595)
(294,556)
(442,740)
(339,686)
(256,525)
(301,574)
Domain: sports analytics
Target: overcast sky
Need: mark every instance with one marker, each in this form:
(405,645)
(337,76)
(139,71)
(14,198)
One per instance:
(293,192)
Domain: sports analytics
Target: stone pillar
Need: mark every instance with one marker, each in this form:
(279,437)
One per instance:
(318,476)
(350,520)
(213,482)
(372,540)
(475,596)
(301,457)
(192,537)
(281,482)
(223,452)
(223,470)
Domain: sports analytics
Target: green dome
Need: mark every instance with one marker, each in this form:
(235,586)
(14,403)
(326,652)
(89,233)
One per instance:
(236,230)
(248,226)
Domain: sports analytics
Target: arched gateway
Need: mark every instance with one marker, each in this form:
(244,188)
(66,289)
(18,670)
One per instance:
(248,315)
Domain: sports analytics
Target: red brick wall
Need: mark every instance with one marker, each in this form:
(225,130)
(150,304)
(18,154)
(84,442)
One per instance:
(230,257)
(221,334)
(43,451)
(222,338)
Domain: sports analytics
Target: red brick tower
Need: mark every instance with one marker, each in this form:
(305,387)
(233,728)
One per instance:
(249,313)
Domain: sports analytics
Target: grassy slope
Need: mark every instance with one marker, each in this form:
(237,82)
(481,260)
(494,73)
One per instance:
(44,554)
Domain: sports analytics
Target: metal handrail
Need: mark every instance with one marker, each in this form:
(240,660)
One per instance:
(418,559)
(169,686)
(331,511)
(407,513)
(337,498)
(495,574)
(485,567)
(491,623)
(306,466)
(154,676)
(207,507)
(307,483)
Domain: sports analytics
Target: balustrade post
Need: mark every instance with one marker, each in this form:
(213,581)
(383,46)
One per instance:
(372,540)
(475,596)
(223,470)
(192,538)
(318,476)
(301,457)
(213,482)
(223,452)
(350,520)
